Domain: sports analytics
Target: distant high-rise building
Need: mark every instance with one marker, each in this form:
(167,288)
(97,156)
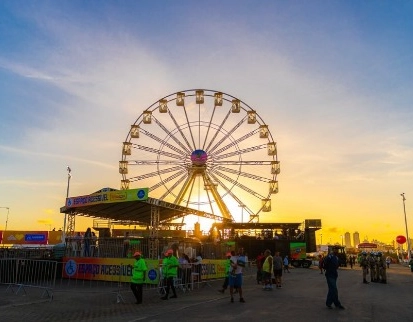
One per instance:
(356,239)
(347,240)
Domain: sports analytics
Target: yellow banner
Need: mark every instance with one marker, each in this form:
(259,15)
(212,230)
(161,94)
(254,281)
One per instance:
(120,269)
(108,197)
(25,237)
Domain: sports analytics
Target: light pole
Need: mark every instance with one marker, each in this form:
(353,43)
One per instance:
(7,216)
(405,222)
(341,240)
(67,196)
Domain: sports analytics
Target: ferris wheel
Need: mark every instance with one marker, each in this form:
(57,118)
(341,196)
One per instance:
(204,150)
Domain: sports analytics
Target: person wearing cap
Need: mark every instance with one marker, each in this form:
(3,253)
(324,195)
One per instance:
(228,270)
(138,277)
(170,266)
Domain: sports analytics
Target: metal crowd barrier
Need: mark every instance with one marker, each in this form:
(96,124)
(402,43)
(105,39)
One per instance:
(20,274)
(114,277)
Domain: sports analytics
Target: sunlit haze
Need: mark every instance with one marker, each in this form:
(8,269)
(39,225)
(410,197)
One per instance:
(331,79)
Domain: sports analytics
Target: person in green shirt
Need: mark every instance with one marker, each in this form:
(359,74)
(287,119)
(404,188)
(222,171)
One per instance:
(170,266)
(228,270)
(138,277)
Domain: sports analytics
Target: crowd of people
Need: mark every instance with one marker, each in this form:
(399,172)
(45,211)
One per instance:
(269,266)
(173,268)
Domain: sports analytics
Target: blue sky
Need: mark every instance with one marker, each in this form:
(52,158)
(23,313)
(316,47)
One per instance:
(332,79)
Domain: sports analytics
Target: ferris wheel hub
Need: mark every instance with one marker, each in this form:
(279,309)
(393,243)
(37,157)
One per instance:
(199,157)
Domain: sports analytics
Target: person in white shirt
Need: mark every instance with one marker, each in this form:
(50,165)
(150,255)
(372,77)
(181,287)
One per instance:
(235,279)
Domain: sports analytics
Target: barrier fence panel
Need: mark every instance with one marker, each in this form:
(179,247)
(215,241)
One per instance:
(114,275)
(20,274)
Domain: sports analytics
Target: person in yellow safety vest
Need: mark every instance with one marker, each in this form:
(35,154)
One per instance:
(170,266)
(138,277)
(267,270)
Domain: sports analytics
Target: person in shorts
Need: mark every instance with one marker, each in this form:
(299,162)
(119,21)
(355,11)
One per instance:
(278,269)
(237,263)
(267,270)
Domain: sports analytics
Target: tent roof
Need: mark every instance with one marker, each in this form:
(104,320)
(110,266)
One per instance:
(137,212)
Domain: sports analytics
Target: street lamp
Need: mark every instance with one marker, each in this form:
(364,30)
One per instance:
(341,240)
(7,216)
(407,232)
(67,196)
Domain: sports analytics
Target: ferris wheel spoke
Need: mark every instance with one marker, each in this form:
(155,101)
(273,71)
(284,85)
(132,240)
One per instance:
(173,137)
(219,129)
(209,127)
(228,134)
(156,173)
(237,141)
(240,173)
(240,152)
(239,185)
(157,151)
(163,142)
(228,191)
(172,188)
(180,130)
(189,128)
(162,182)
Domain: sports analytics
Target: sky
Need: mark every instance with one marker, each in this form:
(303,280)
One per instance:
(332,79)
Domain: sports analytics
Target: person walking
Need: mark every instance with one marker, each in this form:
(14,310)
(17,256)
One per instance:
(286,263)
(170,266)
(320,263)
(267,270)
(331,265)
(235,278)
(138,277)
(260,260)
(227,271)
(278,269)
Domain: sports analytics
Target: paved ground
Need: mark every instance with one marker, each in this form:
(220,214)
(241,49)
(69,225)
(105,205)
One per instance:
(302,298)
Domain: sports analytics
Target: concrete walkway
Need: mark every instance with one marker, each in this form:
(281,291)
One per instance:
(302,298)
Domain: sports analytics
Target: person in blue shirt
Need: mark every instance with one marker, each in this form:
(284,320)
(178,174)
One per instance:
(331,265)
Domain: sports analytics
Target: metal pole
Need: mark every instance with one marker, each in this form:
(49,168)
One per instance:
(67,196)
(242,212)
(7,216)
(407,231)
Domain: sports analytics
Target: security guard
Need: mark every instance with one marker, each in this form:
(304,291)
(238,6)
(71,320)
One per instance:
(138,277)
(372,266)
(364,264)
(170,266)
(382,268)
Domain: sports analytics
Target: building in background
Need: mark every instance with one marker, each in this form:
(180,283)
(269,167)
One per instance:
(347,240)
(356,239)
